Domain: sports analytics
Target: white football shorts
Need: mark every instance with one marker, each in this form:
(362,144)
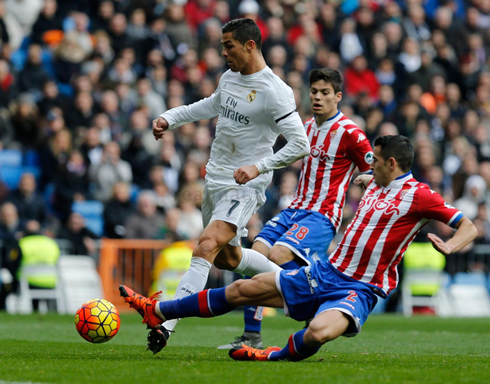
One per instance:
(230,203)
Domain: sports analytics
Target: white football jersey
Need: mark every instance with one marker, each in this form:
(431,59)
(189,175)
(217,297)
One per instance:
(253,110)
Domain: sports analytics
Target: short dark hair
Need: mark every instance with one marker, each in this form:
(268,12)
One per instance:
(329,75)
(398,147)
(244,30)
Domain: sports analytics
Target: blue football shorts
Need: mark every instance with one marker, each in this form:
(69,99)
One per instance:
(314,289)
(306,233)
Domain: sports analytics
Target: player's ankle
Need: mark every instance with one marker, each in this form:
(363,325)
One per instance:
(157,312)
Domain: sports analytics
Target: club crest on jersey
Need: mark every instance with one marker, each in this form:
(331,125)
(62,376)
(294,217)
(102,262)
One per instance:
(251,96)
(333,134)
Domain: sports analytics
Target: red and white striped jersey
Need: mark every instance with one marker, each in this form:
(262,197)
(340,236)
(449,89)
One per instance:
(336,147)
(383,227)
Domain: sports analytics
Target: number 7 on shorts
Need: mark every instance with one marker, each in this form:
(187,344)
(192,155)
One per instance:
(235,203)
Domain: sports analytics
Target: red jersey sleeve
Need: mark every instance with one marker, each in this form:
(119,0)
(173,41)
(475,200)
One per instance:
(359,149)
(432,206)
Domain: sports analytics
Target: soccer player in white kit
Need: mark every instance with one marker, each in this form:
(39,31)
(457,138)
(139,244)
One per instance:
(254,107)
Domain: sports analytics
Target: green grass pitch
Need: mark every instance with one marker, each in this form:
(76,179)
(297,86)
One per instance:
(390,349)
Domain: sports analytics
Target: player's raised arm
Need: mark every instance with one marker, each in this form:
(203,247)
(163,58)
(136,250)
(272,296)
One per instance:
(175,117)
(465,234)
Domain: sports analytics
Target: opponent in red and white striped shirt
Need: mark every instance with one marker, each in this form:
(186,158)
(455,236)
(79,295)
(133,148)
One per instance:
(337,147)
(387,220)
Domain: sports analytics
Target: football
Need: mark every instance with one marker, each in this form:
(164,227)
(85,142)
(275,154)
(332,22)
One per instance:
(97,321)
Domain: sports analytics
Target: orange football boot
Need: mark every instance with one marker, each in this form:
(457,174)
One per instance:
(246,353)
(144,305)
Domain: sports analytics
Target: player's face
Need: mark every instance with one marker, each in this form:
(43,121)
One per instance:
(381,168)
(323,99)
(234,53)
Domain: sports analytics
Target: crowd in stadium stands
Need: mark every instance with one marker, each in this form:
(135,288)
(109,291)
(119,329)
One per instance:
(81,81)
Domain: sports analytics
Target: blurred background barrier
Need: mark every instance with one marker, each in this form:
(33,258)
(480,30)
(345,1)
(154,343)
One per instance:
(128,262)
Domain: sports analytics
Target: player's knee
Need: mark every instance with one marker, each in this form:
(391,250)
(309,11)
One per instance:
(318,334)
(280,255)
(205,248)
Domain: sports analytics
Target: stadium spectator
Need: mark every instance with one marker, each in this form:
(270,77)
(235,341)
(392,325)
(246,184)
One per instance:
(139,159)
(118,33)
(473,196)
(81,114)
(110,170)
(137,29)
(117,210)
(51,98)
(33,75)
(172,229)
(197,12)
(48,21)
(82,239)
(146,96)
(91,147)
(83,37)
(71,184)
(189,202)
(55,155)
(30,205)
(179,32)
(146,222)
(69,57)
(25,122)
(11,226)
(104,13)
(415,25)
(359,78)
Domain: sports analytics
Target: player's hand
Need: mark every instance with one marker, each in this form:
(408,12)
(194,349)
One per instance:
(159,125)
(363,180)
(246,173)
(439,244)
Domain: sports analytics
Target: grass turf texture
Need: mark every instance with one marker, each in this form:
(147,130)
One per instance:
(390,349)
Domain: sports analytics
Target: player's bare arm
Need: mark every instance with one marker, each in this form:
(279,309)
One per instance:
(465,234)
(159,125)
(245,173)
(363,180)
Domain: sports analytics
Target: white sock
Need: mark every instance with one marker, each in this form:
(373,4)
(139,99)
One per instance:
(193,281)
(254,262)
